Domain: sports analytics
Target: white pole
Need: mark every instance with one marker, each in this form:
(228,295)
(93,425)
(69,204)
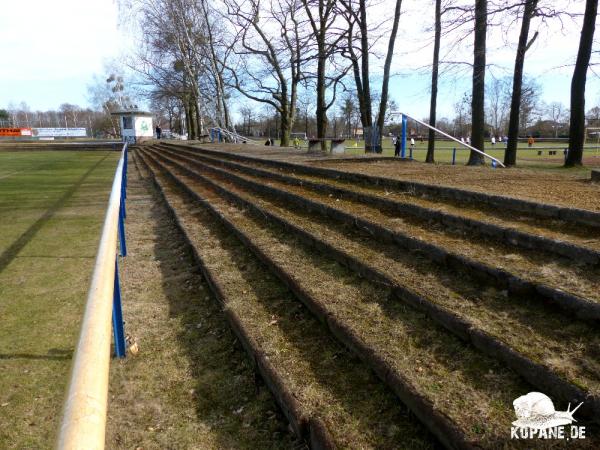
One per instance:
(84,419)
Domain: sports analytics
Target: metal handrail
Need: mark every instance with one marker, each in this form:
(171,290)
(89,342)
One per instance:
(451,137)
(84,418)
(235,137)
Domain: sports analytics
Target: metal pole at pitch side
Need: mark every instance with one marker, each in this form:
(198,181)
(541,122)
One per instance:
(403,141)
(117,317)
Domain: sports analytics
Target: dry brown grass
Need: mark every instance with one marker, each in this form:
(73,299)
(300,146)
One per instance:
(329,383)
(570,349)
(554,185)
(533,266)
(459,381)
(191,385)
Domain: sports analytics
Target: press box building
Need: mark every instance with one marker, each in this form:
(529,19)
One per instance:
(135,125)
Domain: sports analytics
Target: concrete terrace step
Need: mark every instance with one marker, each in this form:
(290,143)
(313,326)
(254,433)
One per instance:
(364,328)
(330,399)
(534,209)
(460,304)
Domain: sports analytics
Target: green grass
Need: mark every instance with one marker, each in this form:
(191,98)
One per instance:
(443,154)
(51,211)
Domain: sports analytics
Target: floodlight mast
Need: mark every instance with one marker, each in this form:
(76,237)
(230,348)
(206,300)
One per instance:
(405,116)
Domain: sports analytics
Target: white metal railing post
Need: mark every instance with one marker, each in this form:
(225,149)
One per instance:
(84,418)
(222,133)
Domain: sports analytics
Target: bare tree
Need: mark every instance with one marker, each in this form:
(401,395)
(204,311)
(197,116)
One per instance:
(556,111)
(510,154)
(478,99)
(498,97)
(270,47)
(577,123)
(326,40)
(360,31)
(434,81)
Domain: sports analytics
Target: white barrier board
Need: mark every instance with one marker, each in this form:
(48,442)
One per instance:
(60,132)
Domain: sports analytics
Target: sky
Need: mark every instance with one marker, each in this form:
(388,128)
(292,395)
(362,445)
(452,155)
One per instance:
(51,50)
(54,52)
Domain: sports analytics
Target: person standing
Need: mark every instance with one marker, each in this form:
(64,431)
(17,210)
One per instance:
(397,146)
(158,131)
(493,140)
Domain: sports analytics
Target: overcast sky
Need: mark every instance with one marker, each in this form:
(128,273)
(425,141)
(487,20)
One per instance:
(51,50)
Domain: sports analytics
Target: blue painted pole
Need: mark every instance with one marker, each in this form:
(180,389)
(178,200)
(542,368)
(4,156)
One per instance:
(212,136)
(453,156)
(125,174)
(122,244)
(122,206)
(220,138)
(117,316)
(403,142)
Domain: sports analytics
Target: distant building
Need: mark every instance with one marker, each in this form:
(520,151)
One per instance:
(357,132)
(136,126)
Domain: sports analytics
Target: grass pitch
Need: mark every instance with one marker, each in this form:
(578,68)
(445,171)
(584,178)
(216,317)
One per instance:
(52,207)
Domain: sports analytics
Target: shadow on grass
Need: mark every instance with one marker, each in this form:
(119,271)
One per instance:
(54,354)
(13,250)
(346,382)
(226,397)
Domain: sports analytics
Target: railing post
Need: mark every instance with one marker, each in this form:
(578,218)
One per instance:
(453,156)
(117,317)
(122,244)
(403,141)
(122,206)
(124,184)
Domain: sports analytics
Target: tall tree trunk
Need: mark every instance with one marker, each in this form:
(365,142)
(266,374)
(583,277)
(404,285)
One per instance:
(193,124)
(199,130)
(364,49)
(434,81)
(365,95)
(188,124)
(478,101)
(321,101)
(386,71)
(510,154)
(285,128)
(577,123)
